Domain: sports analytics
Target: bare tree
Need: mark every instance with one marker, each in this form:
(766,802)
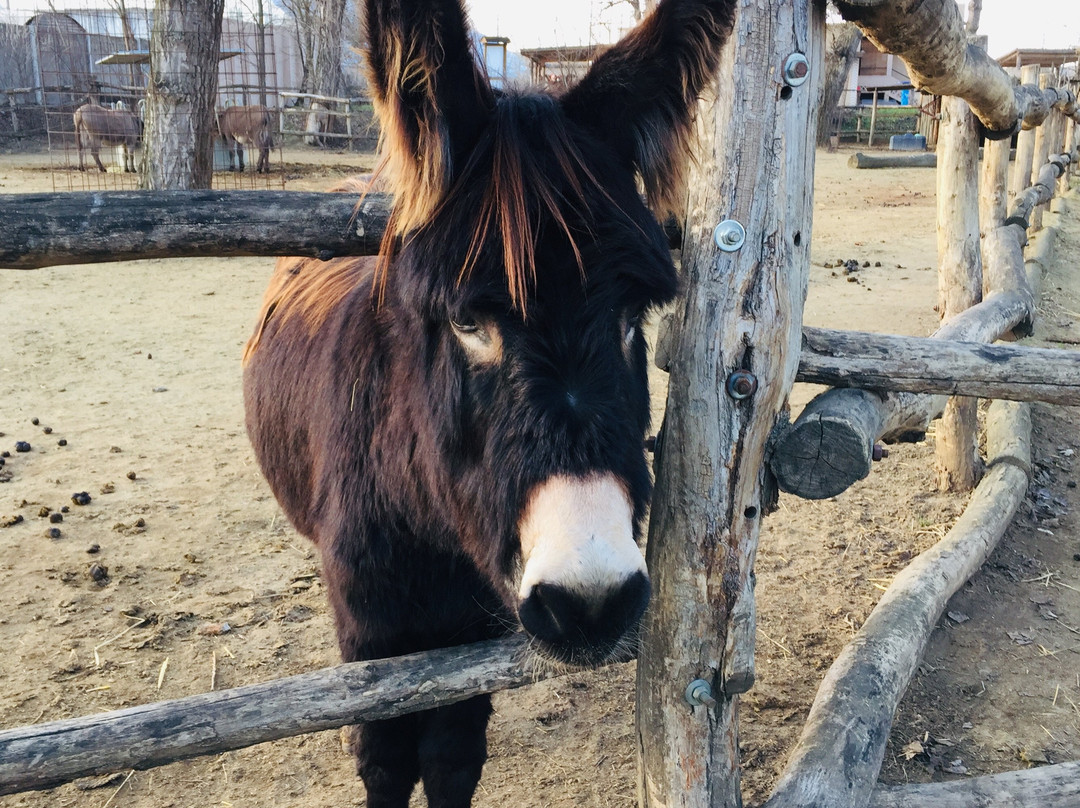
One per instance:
(302,14)
(841,50)
(641,8)
(326,61)
(184,45)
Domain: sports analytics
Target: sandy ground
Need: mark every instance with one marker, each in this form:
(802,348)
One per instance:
(137,367)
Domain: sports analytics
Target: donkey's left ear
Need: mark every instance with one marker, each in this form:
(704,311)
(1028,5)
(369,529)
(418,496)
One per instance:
(430,96)
(640,95)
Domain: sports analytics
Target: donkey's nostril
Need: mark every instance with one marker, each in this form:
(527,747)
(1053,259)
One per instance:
(583,627)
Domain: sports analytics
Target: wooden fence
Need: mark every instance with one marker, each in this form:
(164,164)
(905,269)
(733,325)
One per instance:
(741,332)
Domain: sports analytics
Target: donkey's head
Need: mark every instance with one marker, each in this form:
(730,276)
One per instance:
(524,263)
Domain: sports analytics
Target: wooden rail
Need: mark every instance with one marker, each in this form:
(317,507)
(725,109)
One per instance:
(46,755)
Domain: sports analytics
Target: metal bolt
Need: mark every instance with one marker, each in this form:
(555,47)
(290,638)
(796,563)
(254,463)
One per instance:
(796,70)
(729,235)
(699,694)
(879,452)
(741,384)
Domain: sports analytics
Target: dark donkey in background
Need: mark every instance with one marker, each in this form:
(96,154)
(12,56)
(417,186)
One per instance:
(458,424)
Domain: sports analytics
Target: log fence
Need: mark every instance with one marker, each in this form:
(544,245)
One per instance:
(742,315)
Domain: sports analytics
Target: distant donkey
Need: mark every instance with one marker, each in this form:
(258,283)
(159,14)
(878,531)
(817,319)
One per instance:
(96,126)
(247,126)
(458,424)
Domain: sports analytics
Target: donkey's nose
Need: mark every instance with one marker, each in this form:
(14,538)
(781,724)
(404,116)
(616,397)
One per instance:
(585,628)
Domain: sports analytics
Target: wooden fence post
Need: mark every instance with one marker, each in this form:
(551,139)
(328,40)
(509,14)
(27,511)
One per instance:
(959,280)
(735,354)
(1025,143)
(1042,152)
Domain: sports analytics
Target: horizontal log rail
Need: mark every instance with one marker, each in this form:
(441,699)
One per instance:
(46,755)
(43,230)
(1056,786)
(40,230)
(830,446)
(930,36)
(927,365)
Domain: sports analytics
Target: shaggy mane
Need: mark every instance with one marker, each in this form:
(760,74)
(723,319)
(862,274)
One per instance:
(532,171)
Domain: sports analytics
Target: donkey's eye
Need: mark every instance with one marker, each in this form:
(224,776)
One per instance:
(479,338)
(466,325)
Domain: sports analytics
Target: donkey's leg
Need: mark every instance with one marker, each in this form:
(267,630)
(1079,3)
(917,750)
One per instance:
(386,760)
(385,751)
(94,149)
(240,156)
(453,749)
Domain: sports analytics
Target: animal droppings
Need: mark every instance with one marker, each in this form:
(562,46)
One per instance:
(64,509)
(108,488)
(93,548)
(47,430)
(2,461)
(52,533)
(99,572)
(34,421)
(8,521)
(22,446)
(115,450)
(62,442)
(56,518)
(81,498)
(131,475)
(5,453)
(43,511)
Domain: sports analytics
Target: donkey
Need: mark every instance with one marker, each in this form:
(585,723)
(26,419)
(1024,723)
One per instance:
(458,424)
(247,126)
(96,126)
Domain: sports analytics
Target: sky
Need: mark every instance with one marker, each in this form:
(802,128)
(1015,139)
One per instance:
(530,24)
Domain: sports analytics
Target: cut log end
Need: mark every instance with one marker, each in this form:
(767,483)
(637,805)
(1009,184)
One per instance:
(821,457)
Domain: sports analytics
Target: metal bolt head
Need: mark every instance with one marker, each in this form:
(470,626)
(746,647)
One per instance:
(699,694)
(796,70)
(879,452)
(729,235)
(741,384)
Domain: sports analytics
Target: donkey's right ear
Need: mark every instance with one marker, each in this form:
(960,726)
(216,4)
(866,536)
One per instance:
(430,96)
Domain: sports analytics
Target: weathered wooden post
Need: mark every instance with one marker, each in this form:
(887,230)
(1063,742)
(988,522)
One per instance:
(1042,152)
(735,353)
(959,280)
(1025,142)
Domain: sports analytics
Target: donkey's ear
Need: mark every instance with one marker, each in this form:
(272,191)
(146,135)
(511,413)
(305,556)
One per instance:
(641,94)
(430,96)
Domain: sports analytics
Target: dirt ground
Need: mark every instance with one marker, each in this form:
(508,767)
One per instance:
(135,368)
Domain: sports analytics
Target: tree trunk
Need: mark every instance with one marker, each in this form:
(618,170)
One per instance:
(184,45)
(842,46)
(329,22)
